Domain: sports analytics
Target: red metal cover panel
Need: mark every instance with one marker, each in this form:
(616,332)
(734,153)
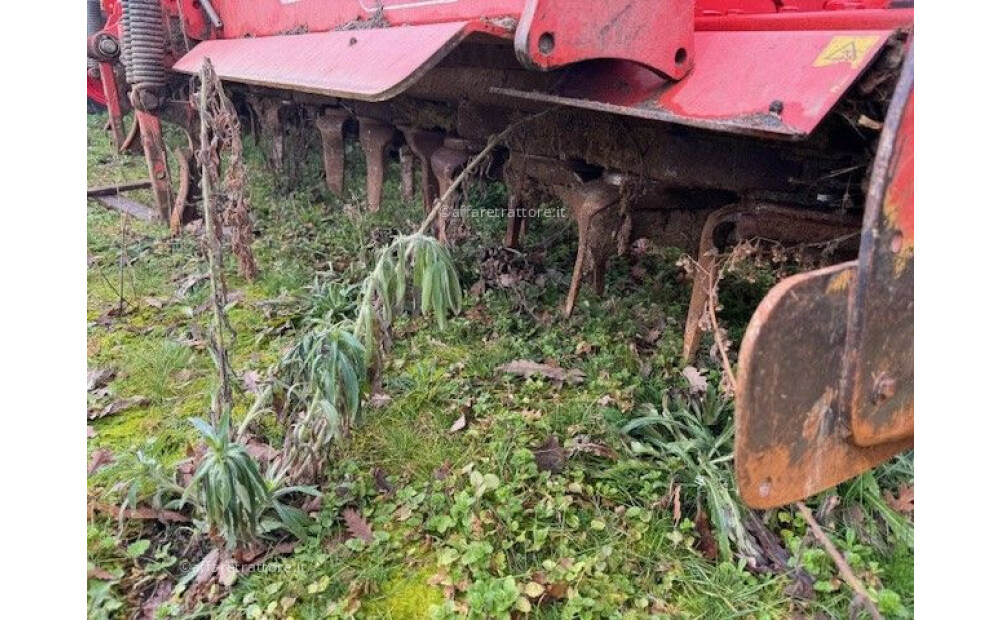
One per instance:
(370,65)
(763,83)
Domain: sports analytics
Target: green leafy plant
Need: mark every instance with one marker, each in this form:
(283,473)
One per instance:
(318,384)
(411,267)
(700,436)
(331,301)
(866,492)
(239,504)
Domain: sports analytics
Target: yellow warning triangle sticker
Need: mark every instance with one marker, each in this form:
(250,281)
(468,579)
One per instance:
(852,49)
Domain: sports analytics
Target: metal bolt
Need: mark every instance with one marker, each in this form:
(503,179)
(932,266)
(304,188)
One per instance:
(885,388)
(108,46)
(147,100)
(777,106)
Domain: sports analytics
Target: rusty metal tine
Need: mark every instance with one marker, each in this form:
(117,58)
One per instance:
(375,136)
(331,129)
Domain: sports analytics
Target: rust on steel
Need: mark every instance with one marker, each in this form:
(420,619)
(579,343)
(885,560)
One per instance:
(791,439)
(749,221)
(877,385)
(331,131)
(376,137)
(825,388)
(423,143)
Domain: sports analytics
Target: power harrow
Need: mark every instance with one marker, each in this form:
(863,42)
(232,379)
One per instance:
(698,124)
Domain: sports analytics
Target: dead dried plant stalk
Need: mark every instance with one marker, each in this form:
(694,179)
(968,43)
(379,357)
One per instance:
(219,118)
(208,158)
(838,559)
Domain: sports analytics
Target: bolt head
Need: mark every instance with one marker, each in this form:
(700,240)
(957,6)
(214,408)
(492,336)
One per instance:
(885,388)
(108,46)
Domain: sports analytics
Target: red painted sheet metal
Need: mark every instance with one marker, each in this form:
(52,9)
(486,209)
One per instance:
(370,65)
(871,19)
(738,81)
(241,18)
(95,90)
(654,33)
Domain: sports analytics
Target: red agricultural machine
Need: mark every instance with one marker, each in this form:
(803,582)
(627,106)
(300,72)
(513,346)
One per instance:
(694,123)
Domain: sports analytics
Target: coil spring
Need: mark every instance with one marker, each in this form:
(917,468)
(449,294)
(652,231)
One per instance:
(95,22)
(144,44)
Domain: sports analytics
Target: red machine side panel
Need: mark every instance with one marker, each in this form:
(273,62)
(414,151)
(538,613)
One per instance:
(765,83)
(371,65)
(241,18)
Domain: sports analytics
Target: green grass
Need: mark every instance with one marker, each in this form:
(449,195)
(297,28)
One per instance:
(590,532)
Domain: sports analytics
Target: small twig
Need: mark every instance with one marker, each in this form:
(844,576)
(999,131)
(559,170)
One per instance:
(121,266)
(133,133)
(110,190)
(713,289)
(838,559)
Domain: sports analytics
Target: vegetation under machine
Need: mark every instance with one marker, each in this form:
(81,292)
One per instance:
(697,124)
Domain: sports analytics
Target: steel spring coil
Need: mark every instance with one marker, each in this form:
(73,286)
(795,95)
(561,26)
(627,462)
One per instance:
(95,22)
(144,44)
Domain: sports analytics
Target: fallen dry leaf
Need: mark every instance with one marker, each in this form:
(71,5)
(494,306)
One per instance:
(551,456)
(160,595)
(280,549)
(379,400)
(96,572)
(382,481)
(698,383)
(357,525)
(458,424)
(261,452)
(247,554)
(91,433)
(99,459)
(706,544)
(251,381)
(188,283)
(670,499)
(117,406)
(206,568)
(227,572)
(441,473)
(313,504)
(903,501)
(557,590)
(99,377)
(141,514)
(527,368)
(581,444)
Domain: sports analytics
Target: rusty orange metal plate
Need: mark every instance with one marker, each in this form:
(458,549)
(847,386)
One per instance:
(792,438)
(369,65)
(878,372)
